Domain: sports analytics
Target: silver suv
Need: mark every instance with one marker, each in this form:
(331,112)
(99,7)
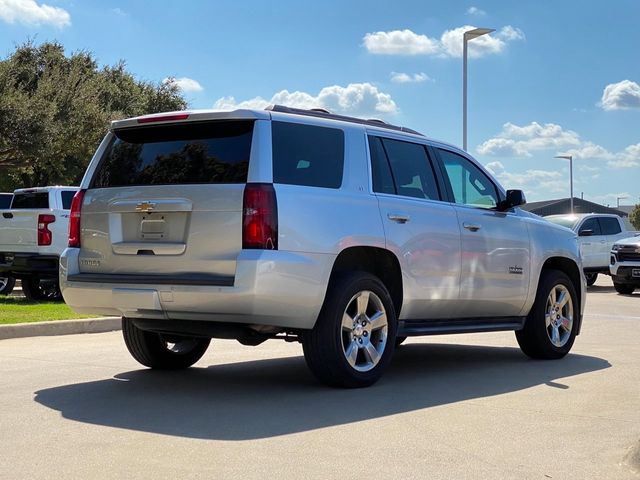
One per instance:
(344,234)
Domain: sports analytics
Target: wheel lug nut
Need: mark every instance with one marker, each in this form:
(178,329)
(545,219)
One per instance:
(360,340)
(365,334)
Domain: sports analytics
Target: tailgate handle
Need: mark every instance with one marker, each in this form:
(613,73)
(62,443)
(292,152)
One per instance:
(148,248)
(7,215)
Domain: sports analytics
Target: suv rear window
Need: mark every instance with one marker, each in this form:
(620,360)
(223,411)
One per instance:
(307,155)
(27,200)
(190,153)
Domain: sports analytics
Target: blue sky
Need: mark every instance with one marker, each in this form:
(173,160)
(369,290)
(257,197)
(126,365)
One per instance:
(555,77)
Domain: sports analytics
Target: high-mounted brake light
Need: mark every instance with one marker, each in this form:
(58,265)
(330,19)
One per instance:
(74,219)
(164,118)
(259,217)
(45,235)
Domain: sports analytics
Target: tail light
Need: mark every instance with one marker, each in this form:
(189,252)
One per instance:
(44,234)
(259,217)
(74,219)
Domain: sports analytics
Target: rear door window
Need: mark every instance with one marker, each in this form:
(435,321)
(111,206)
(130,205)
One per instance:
(402,168)
(307,155)
(189,153)
(27,200)
(609,226)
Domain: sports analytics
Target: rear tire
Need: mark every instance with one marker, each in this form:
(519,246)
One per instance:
(6,285)
(623,289)
(591,278)
(39,289)
(160,351)
(550,328)
(353,340)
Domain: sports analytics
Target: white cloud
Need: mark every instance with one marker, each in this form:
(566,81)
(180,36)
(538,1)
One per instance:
(628,158)
(516,141)
(29,12)
(406,42)
(611,199)
(185,84)
(354,99)
(476,11)
(400,42)
(452,40)
(621,96)
(531,181)
(119,12)
(397,77)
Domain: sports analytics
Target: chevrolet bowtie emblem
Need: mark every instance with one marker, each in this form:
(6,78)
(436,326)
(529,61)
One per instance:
(145,206)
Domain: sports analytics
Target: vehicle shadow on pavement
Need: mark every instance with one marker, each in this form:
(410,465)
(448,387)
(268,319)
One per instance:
(266,398)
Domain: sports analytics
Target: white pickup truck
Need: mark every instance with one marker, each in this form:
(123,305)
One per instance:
(33,234)
(597,232)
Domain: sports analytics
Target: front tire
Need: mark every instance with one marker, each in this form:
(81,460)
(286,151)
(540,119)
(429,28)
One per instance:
(623,289)
(591,278)
(550,328)
(353,340)
(6,285)
(160,351)
(39,289)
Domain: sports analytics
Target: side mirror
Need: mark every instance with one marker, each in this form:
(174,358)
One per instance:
(515,198)
(587,232)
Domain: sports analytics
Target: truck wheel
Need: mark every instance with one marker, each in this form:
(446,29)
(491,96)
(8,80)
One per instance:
(38,289)
(164,352)
(591,278)
(6,285)
(550,328)
(352,341)
(623,289)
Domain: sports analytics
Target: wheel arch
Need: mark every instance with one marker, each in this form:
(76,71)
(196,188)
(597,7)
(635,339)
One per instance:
(571,269)
(375,260)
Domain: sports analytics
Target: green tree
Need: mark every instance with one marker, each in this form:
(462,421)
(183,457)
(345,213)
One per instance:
(634,217)
(55,109)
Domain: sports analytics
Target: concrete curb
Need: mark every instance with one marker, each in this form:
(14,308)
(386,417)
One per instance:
(60,327)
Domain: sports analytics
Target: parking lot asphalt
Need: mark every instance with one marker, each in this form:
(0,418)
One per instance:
(458,407)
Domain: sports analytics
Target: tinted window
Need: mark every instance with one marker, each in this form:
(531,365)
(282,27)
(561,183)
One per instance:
(609,226)
(411,168)
(307,155)
(67,197)
(469,184)
(380,172)
(591,224)
(30,200)
(5,200)
(205,152)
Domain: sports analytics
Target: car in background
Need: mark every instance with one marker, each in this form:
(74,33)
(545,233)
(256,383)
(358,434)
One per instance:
(597,232)
(625,265)
(6,283)
(33,234)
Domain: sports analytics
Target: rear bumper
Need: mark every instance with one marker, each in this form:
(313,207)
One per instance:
(21,265)
(274,288)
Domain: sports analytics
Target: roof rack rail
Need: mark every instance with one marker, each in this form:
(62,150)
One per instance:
(321,113)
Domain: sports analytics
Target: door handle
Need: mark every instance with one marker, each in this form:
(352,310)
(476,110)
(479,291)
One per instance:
(398,217)
(471,226)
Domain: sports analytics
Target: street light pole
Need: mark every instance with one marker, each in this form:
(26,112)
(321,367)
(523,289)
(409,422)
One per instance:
(468,35)
(570,158)
(620,198)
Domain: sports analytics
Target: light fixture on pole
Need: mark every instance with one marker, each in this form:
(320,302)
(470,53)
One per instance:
(468,35)
(620,198)
(570,158)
